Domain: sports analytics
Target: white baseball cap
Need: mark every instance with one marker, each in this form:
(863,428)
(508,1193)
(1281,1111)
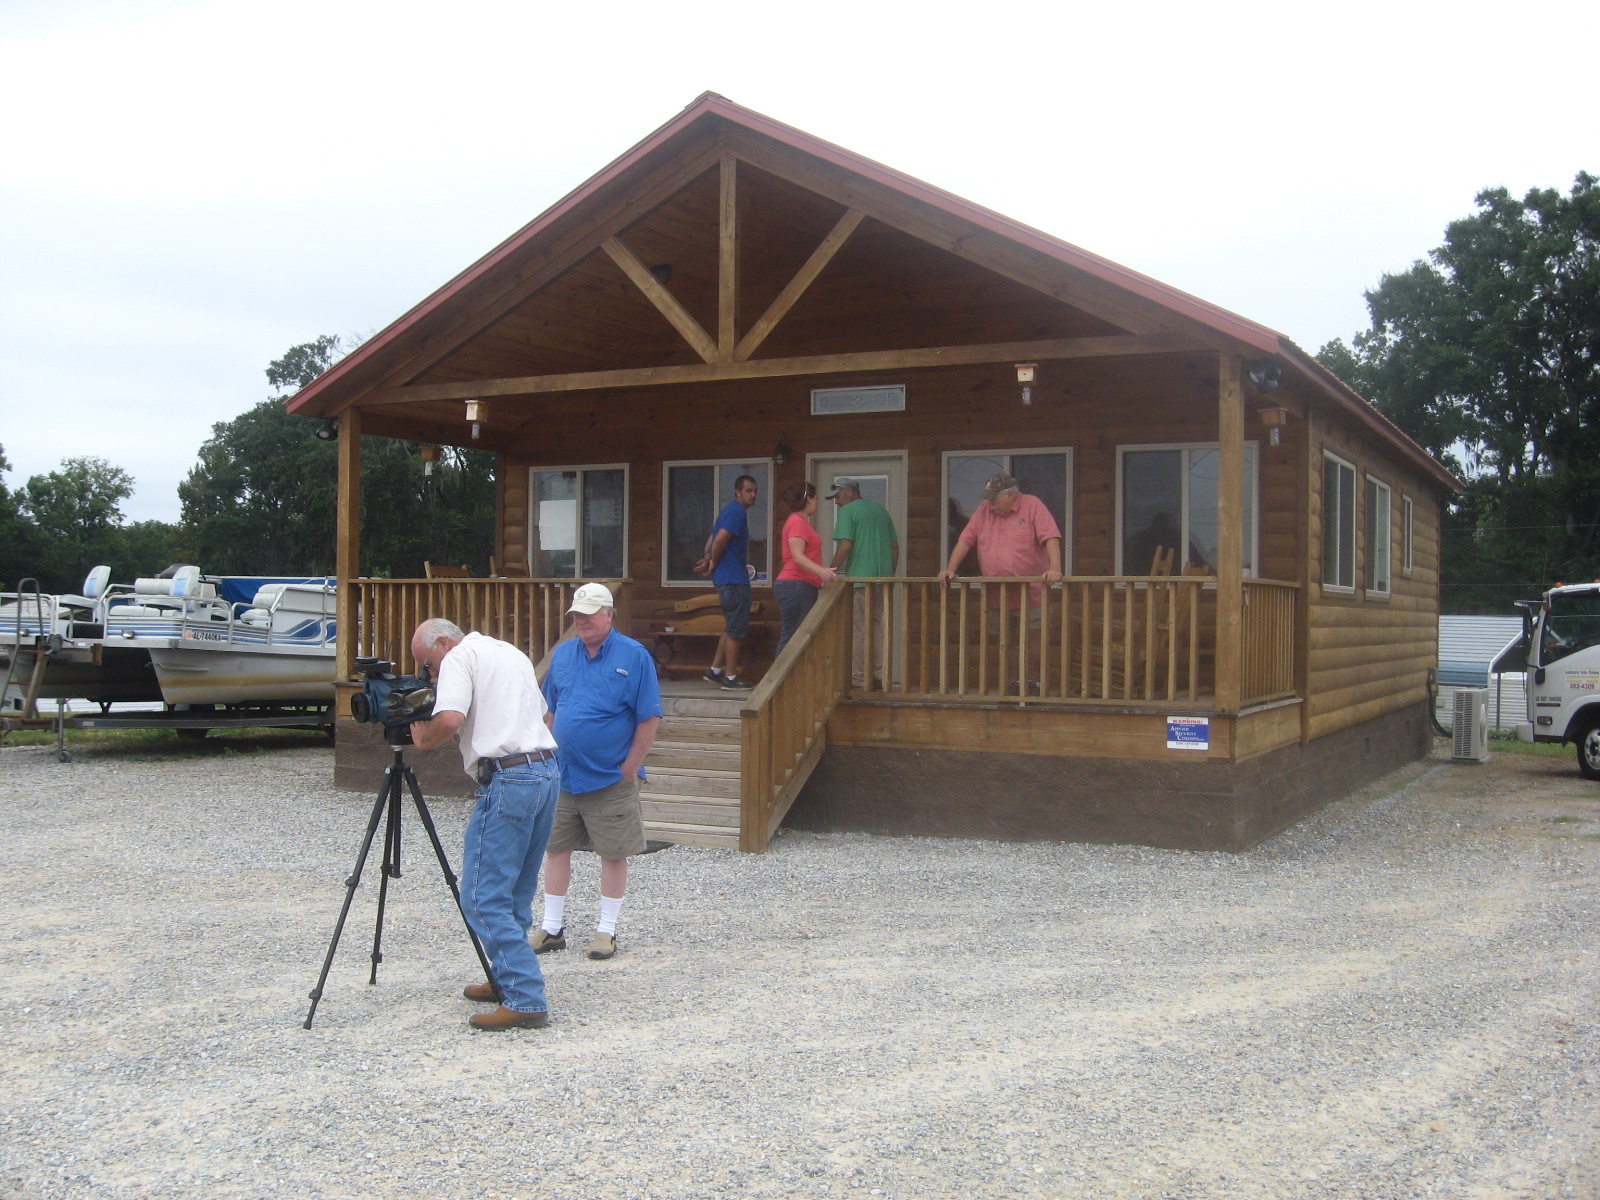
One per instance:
(591,598)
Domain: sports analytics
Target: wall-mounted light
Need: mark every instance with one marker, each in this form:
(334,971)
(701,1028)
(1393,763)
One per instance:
(1025,373)
(1264,375)
(328,429)
(1274,419)
(478,414)
(782,452)
(662,273)
(429,453)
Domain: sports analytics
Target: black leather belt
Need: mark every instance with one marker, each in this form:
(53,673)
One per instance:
(516,760)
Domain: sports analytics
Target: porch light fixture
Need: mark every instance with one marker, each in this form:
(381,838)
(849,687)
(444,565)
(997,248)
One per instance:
(1274,419)
(477,413)
(662,273)
(1264,374)
(782,452)
(328,430)
(429,453)
(1025,373)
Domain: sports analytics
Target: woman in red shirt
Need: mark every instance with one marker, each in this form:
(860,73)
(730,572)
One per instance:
(803,571)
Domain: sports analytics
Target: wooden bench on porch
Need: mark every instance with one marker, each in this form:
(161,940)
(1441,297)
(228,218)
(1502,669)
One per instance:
(683,638)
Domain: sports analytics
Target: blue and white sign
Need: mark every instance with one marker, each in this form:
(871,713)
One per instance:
(1188,733)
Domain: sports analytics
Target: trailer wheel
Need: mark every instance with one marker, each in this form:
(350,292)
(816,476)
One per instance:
(192,735)
(1589,751)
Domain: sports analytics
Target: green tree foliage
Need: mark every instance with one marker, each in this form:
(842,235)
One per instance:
(262,498)
(1486,354)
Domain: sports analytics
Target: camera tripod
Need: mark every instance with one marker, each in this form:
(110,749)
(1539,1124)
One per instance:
(397,778)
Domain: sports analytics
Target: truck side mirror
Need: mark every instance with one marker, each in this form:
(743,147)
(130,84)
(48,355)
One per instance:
(1538,675)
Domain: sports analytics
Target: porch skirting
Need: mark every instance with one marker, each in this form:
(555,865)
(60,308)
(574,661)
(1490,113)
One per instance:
(1043,798)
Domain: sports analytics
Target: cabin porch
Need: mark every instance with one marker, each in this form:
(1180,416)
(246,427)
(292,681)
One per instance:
(1113,668)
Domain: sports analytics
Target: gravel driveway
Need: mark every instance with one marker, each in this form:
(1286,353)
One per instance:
(1397,998)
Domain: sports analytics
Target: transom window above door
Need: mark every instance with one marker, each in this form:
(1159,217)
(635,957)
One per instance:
(578,522)
(1167,500)
(1042,472)
(695,493)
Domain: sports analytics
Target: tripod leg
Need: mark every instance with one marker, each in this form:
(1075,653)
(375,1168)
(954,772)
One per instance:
(390,869)
(449,875)
(350,885)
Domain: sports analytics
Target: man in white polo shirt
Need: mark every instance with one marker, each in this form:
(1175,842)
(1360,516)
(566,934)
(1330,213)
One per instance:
(487,696)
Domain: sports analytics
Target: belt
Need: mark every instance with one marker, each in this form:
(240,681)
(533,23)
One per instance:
(516,760)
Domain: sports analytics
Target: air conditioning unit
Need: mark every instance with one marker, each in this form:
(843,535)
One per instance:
(1469,731)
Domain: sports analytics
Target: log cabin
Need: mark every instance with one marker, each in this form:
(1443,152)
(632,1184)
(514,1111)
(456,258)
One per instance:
(1251,551)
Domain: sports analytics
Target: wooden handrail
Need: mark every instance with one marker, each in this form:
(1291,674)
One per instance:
(1267,667)
(783,722)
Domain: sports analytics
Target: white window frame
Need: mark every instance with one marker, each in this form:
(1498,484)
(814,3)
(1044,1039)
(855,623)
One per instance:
(1408,518)
(1252,488)
(1330,460)
(720,502)
(533,514)
(1384,549)
(946,545)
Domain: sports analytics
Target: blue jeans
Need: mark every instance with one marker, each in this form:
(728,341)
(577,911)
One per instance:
(795,599)
(506,836)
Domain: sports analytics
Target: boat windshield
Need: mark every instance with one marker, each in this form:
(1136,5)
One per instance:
(1572,624)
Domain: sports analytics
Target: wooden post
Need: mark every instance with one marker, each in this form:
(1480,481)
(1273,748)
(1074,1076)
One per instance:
(1230,530)
(728,263)
(347,547)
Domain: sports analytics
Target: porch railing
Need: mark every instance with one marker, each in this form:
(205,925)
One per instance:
(1266,635)
(783,721)
(531,614)
(1117,639)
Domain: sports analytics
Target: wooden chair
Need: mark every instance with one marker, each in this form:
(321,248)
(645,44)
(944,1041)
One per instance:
(441,571)
(694,622)
(1161,564)
(510,571)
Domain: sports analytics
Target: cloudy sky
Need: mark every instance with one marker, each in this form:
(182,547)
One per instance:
(187,189)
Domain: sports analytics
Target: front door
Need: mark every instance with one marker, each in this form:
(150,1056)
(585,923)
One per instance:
(882,478)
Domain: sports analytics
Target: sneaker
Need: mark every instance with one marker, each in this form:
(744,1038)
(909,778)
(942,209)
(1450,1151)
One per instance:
(712,676)
(543,941)
(603,946)
(732,683)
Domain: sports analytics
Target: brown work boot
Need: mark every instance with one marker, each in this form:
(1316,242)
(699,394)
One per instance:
(481,992)
(543,942)
(603,946)
(509,1018)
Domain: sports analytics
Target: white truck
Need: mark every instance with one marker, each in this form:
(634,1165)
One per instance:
(1562,636)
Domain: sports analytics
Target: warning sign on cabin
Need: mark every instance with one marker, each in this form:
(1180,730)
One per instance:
(1188,733)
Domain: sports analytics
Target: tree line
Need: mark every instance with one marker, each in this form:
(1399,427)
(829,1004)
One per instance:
(260,500)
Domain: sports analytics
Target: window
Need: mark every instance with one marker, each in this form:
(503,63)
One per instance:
(1406,516)
(1167,498)
(1045,473)
(695,493)
(578,522)
(1572,624)
(1338,523)
(1379,538)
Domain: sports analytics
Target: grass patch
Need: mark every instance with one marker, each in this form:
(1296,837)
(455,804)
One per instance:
(1537,749)
(1568,821)
(168,743)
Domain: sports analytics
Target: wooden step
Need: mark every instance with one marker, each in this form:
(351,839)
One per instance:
(712,704)
(675,781)
(694,835)
(699,729)
(690,810)
(692,756)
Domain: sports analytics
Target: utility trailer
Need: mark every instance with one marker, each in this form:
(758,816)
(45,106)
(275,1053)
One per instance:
(190,722)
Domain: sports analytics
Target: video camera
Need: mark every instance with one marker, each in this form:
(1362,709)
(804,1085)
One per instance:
(396,700)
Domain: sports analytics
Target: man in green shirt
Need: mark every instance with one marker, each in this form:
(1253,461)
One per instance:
(868,549)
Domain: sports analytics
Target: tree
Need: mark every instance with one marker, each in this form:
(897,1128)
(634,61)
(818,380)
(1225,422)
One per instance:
(262,499)
(18,535)
(1486,354)
(76,513)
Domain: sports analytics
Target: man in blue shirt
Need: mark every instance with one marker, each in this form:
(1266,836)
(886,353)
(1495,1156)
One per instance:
(726,560)
(604,706)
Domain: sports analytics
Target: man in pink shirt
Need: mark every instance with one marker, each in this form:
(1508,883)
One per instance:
(1015,536)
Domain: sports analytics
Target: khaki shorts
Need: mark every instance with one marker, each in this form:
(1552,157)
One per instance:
(607,819)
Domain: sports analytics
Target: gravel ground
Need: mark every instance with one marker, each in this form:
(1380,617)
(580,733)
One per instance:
(1397,998)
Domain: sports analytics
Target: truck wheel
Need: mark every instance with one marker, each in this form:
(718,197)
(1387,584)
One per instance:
(1589,751)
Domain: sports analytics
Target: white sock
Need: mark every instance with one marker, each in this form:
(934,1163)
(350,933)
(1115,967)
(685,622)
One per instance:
(609,911)
(555,913)
(716,670)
